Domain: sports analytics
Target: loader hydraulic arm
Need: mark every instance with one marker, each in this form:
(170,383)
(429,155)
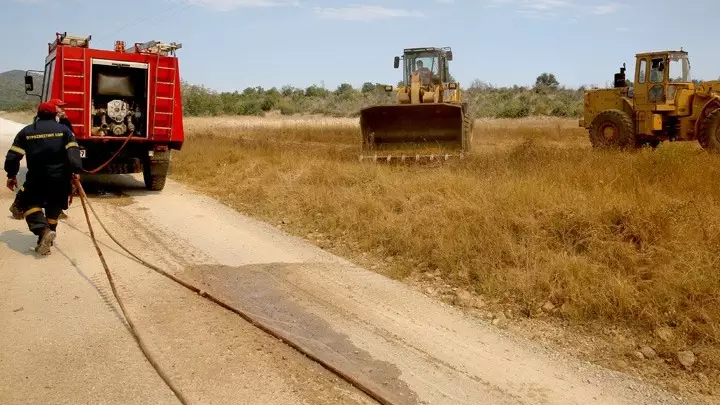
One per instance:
(415,90)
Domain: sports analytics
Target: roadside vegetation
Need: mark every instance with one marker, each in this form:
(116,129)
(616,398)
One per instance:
(545,98)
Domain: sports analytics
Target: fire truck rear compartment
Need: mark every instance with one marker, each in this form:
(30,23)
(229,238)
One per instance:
(119,100)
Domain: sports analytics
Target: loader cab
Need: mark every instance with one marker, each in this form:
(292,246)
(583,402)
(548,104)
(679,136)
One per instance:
(658,96)
(434,61)
(659,76)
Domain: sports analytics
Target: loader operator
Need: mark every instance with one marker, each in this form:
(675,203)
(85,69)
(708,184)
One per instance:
(15,208)
(425,73)
(53,161)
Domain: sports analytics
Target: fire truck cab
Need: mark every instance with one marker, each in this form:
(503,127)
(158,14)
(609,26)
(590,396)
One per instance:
(125,105)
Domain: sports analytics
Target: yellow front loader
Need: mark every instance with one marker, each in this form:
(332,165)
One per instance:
(663,104)
(429,119)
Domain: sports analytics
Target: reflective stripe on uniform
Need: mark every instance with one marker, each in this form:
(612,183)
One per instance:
(32,211)
(17,149)
(52,221)
(44,136)
(71,145)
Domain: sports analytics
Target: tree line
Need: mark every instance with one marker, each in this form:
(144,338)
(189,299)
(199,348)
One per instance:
(546,97)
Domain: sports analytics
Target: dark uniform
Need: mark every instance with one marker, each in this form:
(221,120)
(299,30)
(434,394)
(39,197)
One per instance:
(16,209)
(52,159)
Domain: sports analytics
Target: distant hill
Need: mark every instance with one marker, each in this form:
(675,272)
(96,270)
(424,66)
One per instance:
(12,91)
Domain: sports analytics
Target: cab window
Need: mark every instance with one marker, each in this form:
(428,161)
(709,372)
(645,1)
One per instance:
(642,71)
(48,79)
(657,67)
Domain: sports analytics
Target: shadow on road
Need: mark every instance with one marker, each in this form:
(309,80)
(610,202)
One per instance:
(100,184)
(96,186)
(114,185)
(106,185)
(103,294)
(22,242)
(25,242)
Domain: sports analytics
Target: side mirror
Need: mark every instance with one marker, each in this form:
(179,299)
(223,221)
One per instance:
(29,83)
(396,62)
(449,55)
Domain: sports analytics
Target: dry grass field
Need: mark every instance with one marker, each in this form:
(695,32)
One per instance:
(619,250)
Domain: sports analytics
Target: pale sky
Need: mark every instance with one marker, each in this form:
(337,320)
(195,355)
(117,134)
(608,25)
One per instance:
(233,44)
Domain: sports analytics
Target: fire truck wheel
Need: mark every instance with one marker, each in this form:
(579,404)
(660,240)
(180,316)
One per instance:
(155,171)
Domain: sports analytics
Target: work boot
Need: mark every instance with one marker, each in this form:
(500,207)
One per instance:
(63,215)
(40,238)
(16,212)
(45,241)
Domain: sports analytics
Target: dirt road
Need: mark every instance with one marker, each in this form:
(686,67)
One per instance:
(63,339)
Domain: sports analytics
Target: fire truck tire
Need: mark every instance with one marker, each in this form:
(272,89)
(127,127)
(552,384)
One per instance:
(156,170)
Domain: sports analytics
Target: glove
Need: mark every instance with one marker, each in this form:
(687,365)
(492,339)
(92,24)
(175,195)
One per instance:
(73,184)
(11,183)
(73,188)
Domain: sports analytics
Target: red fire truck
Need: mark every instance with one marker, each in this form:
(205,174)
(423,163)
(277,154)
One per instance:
(125,105)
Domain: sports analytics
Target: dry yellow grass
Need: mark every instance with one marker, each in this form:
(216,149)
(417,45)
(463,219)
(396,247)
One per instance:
(232,124)
(536,215)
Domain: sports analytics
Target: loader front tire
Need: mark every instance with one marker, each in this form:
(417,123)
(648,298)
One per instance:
(155,171)
(709,136)
(613,129)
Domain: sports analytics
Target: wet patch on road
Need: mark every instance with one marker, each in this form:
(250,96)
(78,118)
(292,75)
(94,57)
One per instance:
(255,289)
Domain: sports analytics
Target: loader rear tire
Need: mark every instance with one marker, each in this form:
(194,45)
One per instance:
(709,136)
(613,129)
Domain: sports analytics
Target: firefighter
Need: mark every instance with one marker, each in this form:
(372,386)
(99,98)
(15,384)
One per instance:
(61,117)
(17,210)
(53,161)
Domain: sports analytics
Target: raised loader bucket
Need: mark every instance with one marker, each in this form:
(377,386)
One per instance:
(412,130)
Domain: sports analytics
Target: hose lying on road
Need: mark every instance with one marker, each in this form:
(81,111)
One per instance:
(139,341)
(379,397)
